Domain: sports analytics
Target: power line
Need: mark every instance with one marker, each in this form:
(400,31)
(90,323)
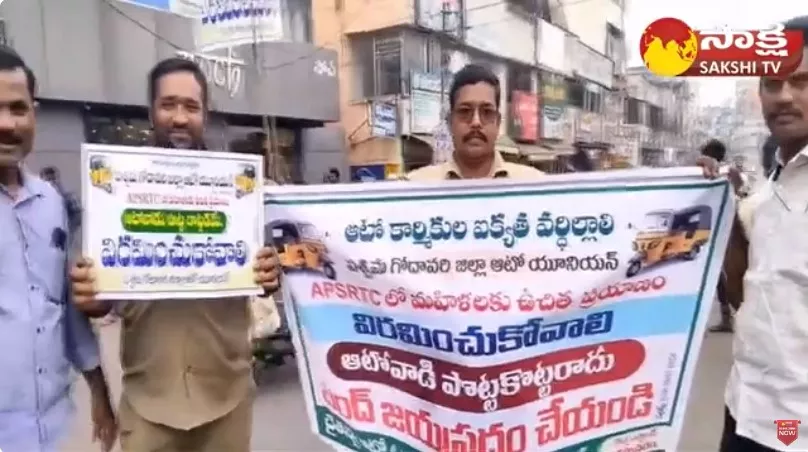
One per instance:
(159,37)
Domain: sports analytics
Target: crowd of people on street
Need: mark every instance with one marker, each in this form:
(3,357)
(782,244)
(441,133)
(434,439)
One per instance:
(187,380)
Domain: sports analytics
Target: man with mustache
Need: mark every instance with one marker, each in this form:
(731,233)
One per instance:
(474,121)
(187,375)
(42,334)
(769,377)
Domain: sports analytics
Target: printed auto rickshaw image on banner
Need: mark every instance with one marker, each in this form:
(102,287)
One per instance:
(670,234)
(100,174)
(300,247)
(245,182)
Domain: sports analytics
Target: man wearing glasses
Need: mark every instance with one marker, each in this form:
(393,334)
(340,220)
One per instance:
(474,121)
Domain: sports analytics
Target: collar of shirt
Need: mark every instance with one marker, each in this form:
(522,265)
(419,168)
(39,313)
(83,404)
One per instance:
(32,187)
(802,155)
(498,169)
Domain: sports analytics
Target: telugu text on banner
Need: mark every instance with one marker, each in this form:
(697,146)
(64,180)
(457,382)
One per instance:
(563,315)
(166,223)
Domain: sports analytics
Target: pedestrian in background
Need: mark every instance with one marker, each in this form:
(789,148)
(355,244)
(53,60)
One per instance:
(42,334)
(187,373)
(717,150)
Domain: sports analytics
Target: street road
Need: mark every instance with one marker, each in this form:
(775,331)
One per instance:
(280,423)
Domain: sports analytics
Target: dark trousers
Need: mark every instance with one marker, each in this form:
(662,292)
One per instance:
(723,300)
(730,442)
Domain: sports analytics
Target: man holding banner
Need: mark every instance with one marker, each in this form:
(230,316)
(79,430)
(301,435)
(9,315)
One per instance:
(187,380)
(474,120)
(767,391)
(528,314)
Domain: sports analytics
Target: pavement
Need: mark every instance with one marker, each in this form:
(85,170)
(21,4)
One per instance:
(280,423)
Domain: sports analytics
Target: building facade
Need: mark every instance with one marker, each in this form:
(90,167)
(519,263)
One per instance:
(655,119)
(750,130)
(397,65)
(91,58)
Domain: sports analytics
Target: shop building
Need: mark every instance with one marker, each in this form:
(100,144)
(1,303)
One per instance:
(92,57)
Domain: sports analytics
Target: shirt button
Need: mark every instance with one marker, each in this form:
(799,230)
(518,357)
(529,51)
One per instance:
(32,287)
(39,330)
(40,371)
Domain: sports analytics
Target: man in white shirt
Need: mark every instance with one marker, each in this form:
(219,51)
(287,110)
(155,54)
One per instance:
(769,377)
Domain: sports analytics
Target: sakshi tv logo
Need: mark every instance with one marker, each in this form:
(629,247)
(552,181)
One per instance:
(671,48)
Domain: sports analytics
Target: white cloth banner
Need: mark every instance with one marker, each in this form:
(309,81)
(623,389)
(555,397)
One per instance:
(454,316)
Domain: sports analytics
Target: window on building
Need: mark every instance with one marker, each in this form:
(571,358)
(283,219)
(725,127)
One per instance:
(4,40)
(593,100)
(655,119)
(297,19)
(531,8)
(520,78)
(120,128)
(615,45)
(633,111)
(377,59)
(575,93)
(421,52)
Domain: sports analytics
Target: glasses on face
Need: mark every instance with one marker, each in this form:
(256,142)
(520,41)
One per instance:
(487,113)
(797,81)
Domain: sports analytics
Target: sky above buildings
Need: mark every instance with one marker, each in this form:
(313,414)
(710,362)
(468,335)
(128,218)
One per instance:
(707,14)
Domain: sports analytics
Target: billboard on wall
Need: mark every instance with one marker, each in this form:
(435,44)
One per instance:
(186,8)
(226,24)
(554,101)
(525,116)
(222,24)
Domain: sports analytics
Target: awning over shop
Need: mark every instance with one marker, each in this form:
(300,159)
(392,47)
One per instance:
(429,140)
(504,145)
(561,149)
(536,153)
(543,152)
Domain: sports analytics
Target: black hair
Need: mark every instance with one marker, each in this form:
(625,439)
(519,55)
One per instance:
(715,149)
(767,157)
(171,66)
(799,23)
(49,171)
(472,74)
(10,60)
(581,161)
(334,171)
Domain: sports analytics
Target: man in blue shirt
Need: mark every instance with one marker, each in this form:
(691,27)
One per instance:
(41,333)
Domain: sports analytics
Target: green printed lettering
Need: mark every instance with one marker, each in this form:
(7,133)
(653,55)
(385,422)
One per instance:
(174,221)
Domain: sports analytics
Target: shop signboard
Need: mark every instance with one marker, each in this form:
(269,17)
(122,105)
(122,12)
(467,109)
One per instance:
(554,101)
(425,102)
(230,23)
(383,119)
(525,116)
(222,71)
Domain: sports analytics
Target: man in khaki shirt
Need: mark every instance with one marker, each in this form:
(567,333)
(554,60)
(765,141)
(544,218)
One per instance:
(474,120)
(187,380)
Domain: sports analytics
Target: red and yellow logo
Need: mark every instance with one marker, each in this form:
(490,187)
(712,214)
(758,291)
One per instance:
(788,430)
(671,48)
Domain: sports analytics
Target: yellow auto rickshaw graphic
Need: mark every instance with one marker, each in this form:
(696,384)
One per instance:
(100,173)
(300,247)
(670,234)
(245,181)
